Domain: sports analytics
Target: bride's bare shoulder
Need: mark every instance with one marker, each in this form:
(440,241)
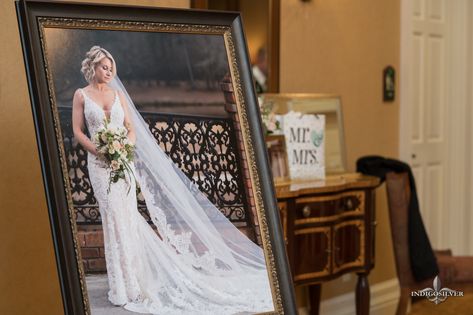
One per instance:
(78,95)
(119,92)
(120,95)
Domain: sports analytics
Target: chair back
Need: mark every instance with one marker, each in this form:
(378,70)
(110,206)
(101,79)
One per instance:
(398,190)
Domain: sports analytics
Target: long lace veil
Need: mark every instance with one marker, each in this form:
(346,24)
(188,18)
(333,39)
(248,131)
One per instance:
(184,217)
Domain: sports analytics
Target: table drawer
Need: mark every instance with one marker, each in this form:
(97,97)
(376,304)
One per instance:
(329,208)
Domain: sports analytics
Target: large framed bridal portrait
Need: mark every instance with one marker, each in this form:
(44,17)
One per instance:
(159,192)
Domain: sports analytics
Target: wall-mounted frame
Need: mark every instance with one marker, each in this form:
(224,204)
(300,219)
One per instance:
(326,104)
(55,37)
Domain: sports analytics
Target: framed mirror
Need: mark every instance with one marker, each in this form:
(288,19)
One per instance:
(159,193)
(325,104)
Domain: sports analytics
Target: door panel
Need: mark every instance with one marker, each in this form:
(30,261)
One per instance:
(417,89)
(436,46)
(427,143)
(433,206)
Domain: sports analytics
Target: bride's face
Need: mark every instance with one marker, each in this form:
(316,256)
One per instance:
(103,71)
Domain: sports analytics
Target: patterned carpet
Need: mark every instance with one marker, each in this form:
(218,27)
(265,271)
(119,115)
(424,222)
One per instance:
(452,306)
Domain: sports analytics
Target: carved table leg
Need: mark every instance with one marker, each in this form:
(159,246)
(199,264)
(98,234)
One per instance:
(362,295)
(314,297)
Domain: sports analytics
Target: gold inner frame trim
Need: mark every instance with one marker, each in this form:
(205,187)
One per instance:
(360,195)
(253,169)
(114,25)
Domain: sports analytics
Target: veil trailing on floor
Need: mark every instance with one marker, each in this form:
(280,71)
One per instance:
(185,219)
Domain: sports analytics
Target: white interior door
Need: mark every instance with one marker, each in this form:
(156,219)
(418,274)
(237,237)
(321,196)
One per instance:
(433,113)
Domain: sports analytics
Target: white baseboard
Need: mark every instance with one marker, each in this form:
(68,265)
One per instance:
(383,301)
(384,297)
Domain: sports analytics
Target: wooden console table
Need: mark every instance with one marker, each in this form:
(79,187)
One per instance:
(329,227)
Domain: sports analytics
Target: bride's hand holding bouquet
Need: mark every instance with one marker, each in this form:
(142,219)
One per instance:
(114,147)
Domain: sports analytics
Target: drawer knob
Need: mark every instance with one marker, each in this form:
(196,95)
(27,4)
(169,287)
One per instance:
(306,211)
(349,204)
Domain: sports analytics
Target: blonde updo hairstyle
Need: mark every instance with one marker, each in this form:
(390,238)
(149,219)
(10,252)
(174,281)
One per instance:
(92,58)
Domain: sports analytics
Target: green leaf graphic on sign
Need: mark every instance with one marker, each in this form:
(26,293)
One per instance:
(317,137)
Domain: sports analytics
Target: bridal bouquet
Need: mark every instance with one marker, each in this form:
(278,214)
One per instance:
(117,151)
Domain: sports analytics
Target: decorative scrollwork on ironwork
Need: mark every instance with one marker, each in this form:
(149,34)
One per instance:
(76,159)
(204,148)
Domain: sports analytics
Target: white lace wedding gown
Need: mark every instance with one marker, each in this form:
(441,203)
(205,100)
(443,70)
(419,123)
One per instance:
(167,274)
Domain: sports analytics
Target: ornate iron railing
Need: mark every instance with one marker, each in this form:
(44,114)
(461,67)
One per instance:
(204,148)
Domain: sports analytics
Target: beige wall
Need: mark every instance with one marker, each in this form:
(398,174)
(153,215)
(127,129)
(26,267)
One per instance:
(341,47)
(28,276)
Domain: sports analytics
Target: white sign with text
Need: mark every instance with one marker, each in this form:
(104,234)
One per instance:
(305,137)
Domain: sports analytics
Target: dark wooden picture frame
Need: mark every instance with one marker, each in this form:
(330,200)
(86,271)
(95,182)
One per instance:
(33,16)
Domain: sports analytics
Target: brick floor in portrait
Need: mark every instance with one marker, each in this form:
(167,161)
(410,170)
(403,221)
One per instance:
(97,287)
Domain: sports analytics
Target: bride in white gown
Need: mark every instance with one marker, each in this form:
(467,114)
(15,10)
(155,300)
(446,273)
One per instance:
(199,263)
